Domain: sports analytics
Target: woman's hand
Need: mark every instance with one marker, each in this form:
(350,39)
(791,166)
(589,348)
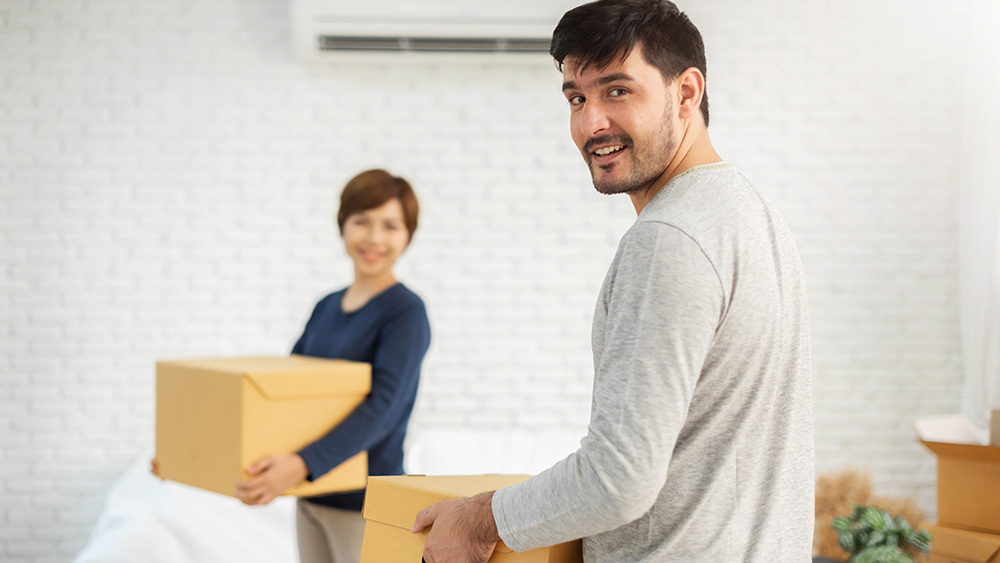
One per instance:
(270,477)
(154,467)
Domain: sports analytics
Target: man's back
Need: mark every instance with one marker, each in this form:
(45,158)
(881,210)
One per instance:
(739,485)
(700,444)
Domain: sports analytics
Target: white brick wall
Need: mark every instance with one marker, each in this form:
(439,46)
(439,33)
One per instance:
(169,174)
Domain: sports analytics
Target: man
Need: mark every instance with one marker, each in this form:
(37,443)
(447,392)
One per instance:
(700,443)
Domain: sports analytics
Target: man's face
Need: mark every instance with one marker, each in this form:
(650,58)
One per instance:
(622,120)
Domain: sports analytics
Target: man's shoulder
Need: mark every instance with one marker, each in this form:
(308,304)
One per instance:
(708,202)
(710,191)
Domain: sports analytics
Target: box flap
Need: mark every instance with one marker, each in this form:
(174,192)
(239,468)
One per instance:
(964,451)
(270,374)
(950,429)
(237,366)
(299,376)
(971,546)
(396,500)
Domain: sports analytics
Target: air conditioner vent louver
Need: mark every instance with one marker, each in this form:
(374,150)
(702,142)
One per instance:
(432,44)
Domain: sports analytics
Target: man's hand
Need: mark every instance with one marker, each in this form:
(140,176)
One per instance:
(463,530)
(270,477)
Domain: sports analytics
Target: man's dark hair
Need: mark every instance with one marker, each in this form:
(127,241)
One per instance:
(600,32)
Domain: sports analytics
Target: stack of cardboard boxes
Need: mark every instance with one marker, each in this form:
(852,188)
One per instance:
(968,494)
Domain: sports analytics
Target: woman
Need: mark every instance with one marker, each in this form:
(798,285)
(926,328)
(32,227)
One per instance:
(376,320)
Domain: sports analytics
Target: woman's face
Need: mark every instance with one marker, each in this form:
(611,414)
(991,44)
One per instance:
(374,238)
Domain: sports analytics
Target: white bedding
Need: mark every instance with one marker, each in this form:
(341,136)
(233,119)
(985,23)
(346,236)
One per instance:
(152,521)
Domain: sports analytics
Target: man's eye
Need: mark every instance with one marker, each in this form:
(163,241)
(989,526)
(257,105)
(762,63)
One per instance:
(614,93)
(576,100)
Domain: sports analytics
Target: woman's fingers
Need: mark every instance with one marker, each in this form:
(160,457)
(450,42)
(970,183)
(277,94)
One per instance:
(261,465)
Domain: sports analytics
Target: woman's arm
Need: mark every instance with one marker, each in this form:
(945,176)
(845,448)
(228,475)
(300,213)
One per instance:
(402,344)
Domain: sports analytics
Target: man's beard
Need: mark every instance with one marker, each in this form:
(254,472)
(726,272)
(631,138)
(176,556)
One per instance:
(648,164)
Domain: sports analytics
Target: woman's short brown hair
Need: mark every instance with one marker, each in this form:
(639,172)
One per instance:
(373,188)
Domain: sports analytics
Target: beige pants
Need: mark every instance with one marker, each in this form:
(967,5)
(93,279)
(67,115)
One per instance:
(328,535)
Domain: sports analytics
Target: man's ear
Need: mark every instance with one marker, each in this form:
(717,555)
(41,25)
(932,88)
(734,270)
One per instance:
(690,90)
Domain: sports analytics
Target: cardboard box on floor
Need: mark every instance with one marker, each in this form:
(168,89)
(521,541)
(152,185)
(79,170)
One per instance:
(217,416)
(968,472)
(951,545)
(392,504)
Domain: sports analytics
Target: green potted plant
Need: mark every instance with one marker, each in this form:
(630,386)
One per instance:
(872,535)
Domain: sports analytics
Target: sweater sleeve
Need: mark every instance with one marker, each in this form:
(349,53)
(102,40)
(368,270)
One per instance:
(300,343)
(664,303)
(402,343)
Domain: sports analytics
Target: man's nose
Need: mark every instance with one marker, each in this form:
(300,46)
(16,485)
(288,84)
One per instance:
(594,120)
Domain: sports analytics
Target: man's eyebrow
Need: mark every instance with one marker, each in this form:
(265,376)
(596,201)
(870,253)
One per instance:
(614,77)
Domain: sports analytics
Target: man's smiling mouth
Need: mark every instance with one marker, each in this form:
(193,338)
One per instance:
(608,150)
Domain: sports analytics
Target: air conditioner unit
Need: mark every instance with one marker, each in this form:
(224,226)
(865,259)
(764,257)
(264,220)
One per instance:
(322,28)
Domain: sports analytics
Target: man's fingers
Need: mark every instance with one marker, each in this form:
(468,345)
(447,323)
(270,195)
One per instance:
(425,518)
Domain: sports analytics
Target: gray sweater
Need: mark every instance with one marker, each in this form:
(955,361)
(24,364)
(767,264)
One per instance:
(700,444)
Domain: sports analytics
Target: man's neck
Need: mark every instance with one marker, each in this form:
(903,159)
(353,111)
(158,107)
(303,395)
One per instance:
(695,149)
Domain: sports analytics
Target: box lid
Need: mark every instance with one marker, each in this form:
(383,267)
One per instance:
(964,451)
(972,546)
(271,374)
(396,500)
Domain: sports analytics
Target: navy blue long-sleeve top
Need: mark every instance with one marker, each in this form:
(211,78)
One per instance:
(390,332)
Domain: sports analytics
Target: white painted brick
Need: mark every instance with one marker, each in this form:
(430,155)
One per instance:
(183,207)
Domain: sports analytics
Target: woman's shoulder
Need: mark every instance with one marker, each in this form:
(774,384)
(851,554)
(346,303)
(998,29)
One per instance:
(404,298)
(405,311)
(330,300)
(333,296)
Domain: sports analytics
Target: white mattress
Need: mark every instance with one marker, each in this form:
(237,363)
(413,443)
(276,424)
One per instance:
(153,521)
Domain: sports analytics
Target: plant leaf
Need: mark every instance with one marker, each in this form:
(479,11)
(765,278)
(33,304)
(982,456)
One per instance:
(876,539)
(846,541)
(921,542)
(908,535)
(875,517)
(858,511)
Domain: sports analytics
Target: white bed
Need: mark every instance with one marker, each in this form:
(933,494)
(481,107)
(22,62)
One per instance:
(152,521)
